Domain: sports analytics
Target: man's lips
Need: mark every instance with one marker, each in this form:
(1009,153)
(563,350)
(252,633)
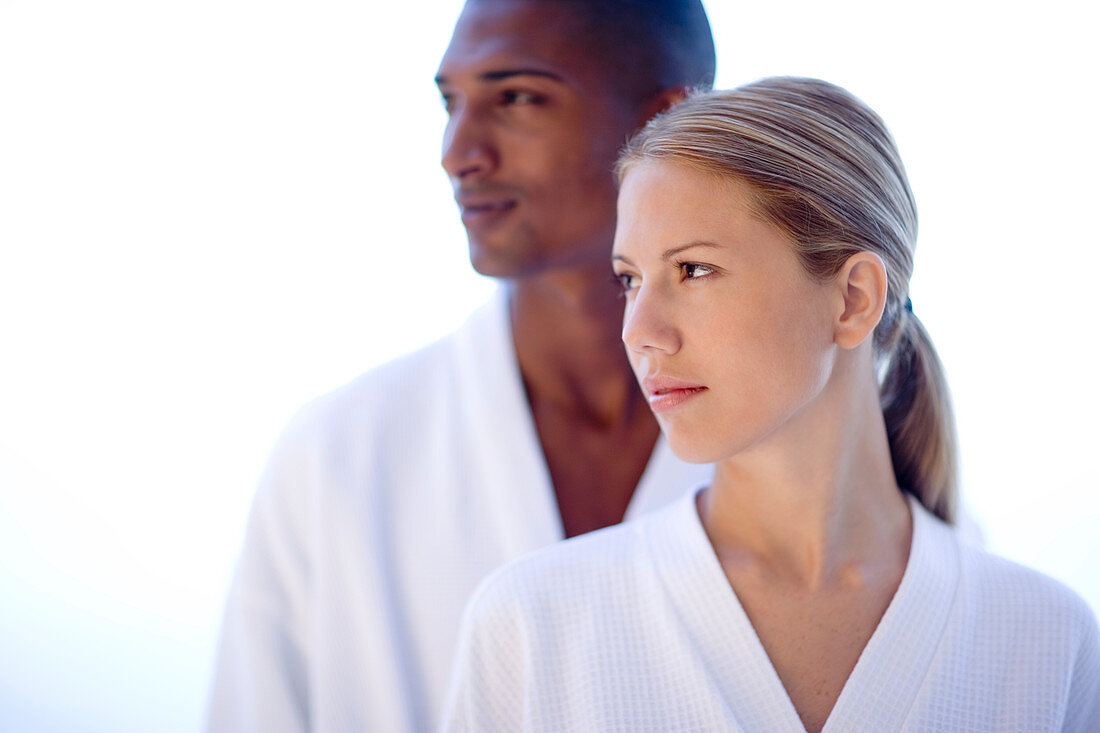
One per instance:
(483,208)
(668,393)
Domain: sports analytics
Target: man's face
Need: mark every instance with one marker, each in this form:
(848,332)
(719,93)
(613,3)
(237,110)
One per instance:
(533,131)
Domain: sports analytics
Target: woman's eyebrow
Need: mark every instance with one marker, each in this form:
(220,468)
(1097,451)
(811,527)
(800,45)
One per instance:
(670,253)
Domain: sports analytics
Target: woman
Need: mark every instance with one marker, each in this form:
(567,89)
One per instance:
(764,246)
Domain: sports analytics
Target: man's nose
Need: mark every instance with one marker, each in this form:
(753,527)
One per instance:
(649,323)
(468,152)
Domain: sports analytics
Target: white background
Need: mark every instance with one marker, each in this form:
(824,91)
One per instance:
(212,211)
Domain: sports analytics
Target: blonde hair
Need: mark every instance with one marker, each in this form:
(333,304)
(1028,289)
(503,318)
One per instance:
(825,170)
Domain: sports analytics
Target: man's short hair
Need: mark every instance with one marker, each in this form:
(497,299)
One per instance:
(647,45)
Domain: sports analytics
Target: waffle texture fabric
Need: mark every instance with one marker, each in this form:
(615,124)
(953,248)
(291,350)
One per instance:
(382,507)
(636,628)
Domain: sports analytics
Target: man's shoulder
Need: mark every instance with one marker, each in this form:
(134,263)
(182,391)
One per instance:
(396,392)
(391,382)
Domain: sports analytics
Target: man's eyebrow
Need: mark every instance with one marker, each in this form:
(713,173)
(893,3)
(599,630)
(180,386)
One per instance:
(502,74)
(507,73)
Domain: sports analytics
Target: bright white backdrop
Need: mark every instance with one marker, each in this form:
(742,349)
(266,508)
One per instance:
(212,211)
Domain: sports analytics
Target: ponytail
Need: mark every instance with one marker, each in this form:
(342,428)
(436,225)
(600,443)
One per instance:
(920,422)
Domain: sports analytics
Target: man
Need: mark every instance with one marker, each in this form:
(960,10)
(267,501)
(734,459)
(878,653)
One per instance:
(386,502)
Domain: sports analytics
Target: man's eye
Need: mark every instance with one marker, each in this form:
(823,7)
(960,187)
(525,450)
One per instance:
(693,270)
(513,96)
(626,281)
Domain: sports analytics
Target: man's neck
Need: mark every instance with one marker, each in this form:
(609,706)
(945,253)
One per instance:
(566,327)
(596,431)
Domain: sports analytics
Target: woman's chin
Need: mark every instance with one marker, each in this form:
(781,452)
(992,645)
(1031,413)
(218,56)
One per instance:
(693,450)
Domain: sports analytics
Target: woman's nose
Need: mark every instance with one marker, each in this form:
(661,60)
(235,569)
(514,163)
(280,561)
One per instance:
(649,323)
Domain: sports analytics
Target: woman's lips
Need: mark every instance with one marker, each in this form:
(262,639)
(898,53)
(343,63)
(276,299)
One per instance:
(665,393)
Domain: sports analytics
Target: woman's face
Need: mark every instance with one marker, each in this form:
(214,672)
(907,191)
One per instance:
(730,339)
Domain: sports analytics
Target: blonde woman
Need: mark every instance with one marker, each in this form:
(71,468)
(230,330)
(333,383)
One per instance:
(764,246)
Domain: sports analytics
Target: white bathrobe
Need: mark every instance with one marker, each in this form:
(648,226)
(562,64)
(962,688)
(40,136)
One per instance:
(383,506)
(636,628)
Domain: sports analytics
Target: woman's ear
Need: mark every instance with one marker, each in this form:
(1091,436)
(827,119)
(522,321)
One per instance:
(863,284)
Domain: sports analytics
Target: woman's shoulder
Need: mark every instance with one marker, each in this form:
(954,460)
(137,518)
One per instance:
(567,617)
(584,562)
(1030,631)
(992,587)
(576,577)
(1023,614)
(1000,583)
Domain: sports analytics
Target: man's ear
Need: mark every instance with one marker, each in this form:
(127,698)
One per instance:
(663,100)
(862,284)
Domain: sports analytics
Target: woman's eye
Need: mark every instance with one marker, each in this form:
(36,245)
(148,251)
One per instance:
(692,270)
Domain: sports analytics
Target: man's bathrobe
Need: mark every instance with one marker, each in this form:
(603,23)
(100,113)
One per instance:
(382,507)
(636,628)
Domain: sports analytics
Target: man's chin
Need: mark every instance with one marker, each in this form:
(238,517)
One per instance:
(502,256)
(493,265)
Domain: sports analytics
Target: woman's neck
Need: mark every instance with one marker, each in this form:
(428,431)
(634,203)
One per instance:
(816,503)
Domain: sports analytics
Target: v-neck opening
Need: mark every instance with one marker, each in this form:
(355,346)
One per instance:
(910,629)
(501,421)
